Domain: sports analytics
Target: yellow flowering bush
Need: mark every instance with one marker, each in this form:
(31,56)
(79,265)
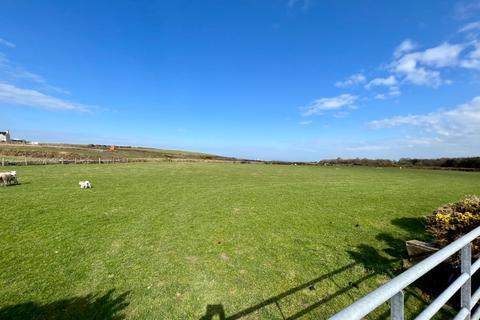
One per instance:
(450,222)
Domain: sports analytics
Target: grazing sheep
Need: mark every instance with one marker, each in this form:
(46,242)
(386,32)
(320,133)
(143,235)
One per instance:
(85,184)
(14,176)
(6,178)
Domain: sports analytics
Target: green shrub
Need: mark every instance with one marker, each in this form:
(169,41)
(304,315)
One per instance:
(451,221)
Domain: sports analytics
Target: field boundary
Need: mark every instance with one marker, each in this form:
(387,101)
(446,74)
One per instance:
(33,162)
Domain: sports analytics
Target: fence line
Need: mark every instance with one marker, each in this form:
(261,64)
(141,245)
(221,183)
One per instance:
(47,161)
(393,290)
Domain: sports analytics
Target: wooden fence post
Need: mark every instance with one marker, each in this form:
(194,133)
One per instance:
(75,160)
(99,161)
(26,163)
(3,162)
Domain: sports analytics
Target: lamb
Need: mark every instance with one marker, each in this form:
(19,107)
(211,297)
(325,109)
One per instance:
(85,184)
(14,176)
(6,178)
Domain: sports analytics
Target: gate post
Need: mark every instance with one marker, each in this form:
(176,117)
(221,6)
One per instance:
(466,291)
(397,306)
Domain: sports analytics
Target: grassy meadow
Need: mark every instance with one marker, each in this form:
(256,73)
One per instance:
(209,240)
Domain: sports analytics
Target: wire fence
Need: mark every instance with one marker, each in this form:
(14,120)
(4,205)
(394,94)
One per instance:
(50,161)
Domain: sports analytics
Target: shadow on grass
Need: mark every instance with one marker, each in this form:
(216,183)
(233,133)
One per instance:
(376,262)
(18,184)
(423,290)
(216,311)
(105,307)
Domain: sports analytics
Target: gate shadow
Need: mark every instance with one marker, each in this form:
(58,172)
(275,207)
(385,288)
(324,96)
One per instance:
(217,311)
(373,260)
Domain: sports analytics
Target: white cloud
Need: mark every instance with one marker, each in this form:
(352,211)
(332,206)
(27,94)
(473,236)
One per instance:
(305,123)
(6,43)
(14,72)
(380,96)
(390,82)
(354,79)
(332,103)
(12,95)
(387,82)
(417,67)
(461,121)
(470,27)
(472,60)
(413,120)
(452,132)
(444,55)
(407,45)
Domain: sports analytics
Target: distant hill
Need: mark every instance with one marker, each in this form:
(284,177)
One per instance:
(93,152)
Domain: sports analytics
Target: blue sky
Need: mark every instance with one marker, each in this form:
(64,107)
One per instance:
(279,79)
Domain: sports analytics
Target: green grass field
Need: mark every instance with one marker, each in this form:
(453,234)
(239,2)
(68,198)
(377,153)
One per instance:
(209,241)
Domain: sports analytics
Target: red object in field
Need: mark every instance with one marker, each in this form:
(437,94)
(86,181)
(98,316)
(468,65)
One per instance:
(112,148)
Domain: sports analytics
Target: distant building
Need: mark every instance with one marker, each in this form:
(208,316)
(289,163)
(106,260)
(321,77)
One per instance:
(19,141)
(5,137)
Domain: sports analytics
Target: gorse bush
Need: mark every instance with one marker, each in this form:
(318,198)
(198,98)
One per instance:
(450,222)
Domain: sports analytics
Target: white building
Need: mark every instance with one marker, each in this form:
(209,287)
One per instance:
(5,137)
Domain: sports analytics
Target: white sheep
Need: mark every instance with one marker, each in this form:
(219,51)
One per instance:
(85,184)
(6,178)
(14,176)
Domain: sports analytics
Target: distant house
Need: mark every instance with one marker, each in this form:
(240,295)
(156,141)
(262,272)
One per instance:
(5,137)
(19,141)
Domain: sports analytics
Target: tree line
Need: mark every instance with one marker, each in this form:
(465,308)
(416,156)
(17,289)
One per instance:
(457,163)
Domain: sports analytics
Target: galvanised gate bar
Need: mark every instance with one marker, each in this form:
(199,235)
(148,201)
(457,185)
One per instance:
(393,290)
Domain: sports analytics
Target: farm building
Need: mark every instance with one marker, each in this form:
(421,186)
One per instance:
(5,136)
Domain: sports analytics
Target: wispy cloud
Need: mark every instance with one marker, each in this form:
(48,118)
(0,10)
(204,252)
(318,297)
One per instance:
(466,9)
(387,82)
(392,92)
(450,132)
(13,72)
(12,95)
(407,45)
(354,79)
(461,121)
(470,27)
(7,43)
(472,60)
(332,103)
(305,123)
